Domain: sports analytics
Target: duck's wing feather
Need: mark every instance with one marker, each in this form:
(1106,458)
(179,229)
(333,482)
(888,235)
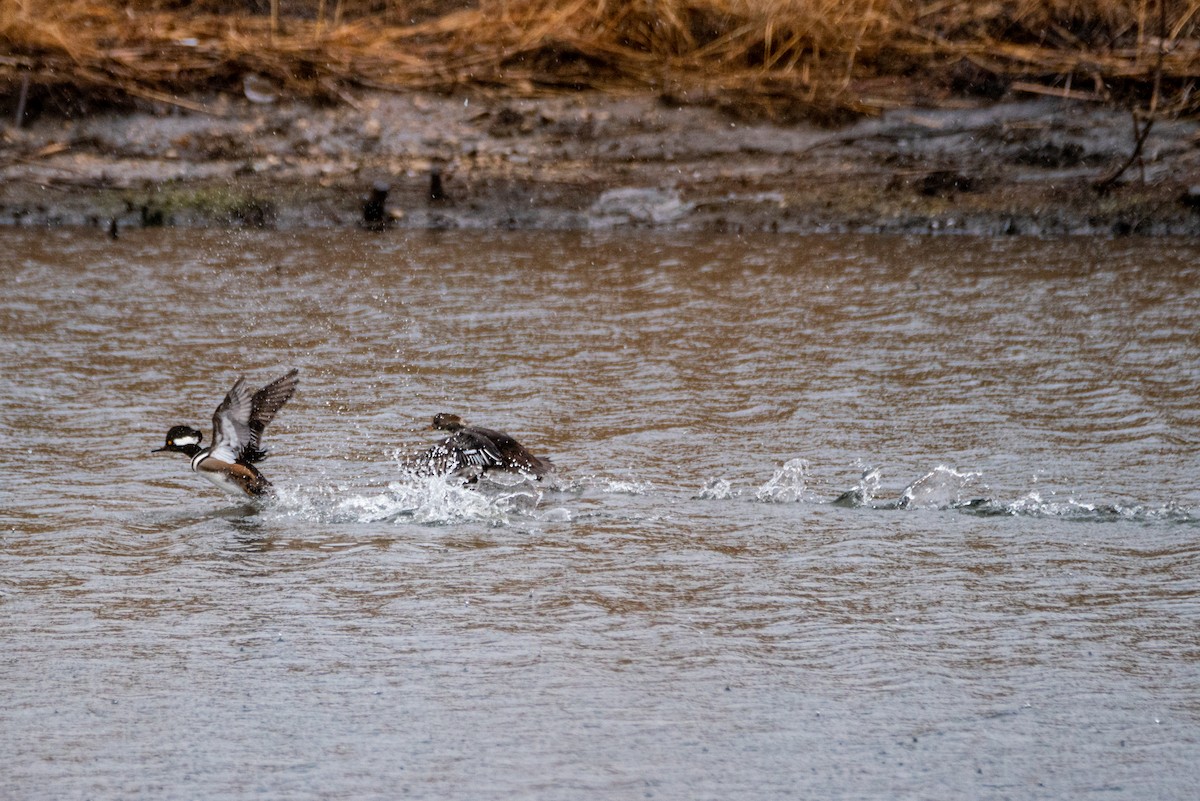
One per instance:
(474,448)
(263,408)
(462,449)
(231,424)
(513,454)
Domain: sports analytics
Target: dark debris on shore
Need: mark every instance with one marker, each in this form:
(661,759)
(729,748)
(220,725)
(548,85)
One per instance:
(596,161)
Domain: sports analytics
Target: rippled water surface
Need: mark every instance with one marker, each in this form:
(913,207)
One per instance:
(834,518)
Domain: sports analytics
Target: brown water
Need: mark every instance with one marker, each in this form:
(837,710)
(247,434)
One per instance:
(1005,606)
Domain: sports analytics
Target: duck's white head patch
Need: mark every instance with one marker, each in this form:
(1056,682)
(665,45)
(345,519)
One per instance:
(182,441)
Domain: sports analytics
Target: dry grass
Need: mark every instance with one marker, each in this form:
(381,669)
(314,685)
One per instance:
(822,59)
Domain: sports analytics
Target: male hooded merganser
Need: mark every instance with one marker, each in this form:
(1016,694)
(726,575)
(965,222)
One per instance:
(470,451)
(238,425)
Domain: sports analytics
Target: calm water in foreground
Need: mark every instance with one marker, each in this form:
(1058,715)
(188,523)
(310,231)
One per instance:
(1006,604)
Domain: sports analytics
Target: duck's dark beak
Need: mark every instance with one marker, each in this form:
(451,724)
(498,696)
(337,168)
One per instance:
(160,450)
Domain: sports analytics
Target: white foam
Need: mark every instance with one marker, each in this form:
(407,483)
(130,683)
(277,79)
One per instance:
(428,500)
(438,501)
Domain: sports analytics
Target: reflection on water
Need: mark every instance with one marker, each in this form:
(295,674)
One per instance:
(835,517)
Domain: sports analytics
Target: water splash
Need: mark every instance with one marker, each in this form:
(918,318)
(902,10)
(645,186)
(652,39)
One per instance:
(864,493)
(787,485)
(425,500)
(436,501)
(1034,505)
(716,489)
(502,499)
(610,486)
(941,488)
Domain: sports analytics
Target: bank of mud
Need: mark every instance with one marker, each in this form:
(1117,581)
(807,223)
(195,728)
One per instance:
(590,161)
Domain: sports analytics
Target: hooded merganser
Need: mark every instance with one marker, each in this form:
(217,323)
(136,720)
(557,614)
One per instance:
(471,451)
(238,425)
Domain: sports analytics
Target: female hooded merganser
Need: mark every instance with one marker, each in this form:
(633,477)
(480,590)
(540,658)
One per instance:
(471,451)
(238,425)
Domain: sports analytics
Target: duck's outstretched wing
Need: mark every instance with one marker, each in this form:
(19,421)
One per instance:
(239,421)
(514,455)
(263,407)
(231,424)
(474,449)
(459,451)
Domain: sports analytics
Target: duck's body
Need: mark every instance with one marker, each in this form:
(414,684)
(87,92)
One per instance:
(238,426)
(471,451)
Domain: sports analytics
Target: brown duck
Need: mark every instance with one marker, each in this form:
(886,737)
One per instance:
(471,451)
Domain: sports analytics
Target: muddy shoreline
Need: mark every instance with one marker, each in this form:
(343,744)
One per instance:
(600,161)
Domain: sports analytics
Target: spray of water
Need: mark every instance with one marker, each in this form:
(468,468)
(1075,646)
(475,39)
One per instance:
(941,488)
(787,485)
(503,499)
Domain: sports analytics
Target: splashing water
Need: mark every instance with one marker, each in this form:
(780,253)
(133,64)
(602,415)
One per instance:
(787,485)
(499,500)
(427,500)
(437,501)
(864,493)
(716,489)
(609,486)
(941,488)
(1034,505)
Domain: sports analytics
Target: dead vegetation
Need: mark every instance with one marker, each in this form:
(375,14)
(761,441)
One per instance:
(824,60)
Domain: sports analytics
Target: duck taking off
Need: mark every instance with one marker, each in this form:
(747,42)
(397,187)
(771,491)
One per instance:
(471,451)
(238,425)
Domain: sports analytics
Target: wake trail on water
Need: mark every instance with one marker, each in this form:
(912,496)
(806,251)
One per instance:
(497,499)
(942,488)
(506,499)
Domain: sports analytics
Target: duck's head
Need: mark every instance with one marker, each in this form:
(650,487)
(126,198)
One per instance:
(182,439)
(448,422)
